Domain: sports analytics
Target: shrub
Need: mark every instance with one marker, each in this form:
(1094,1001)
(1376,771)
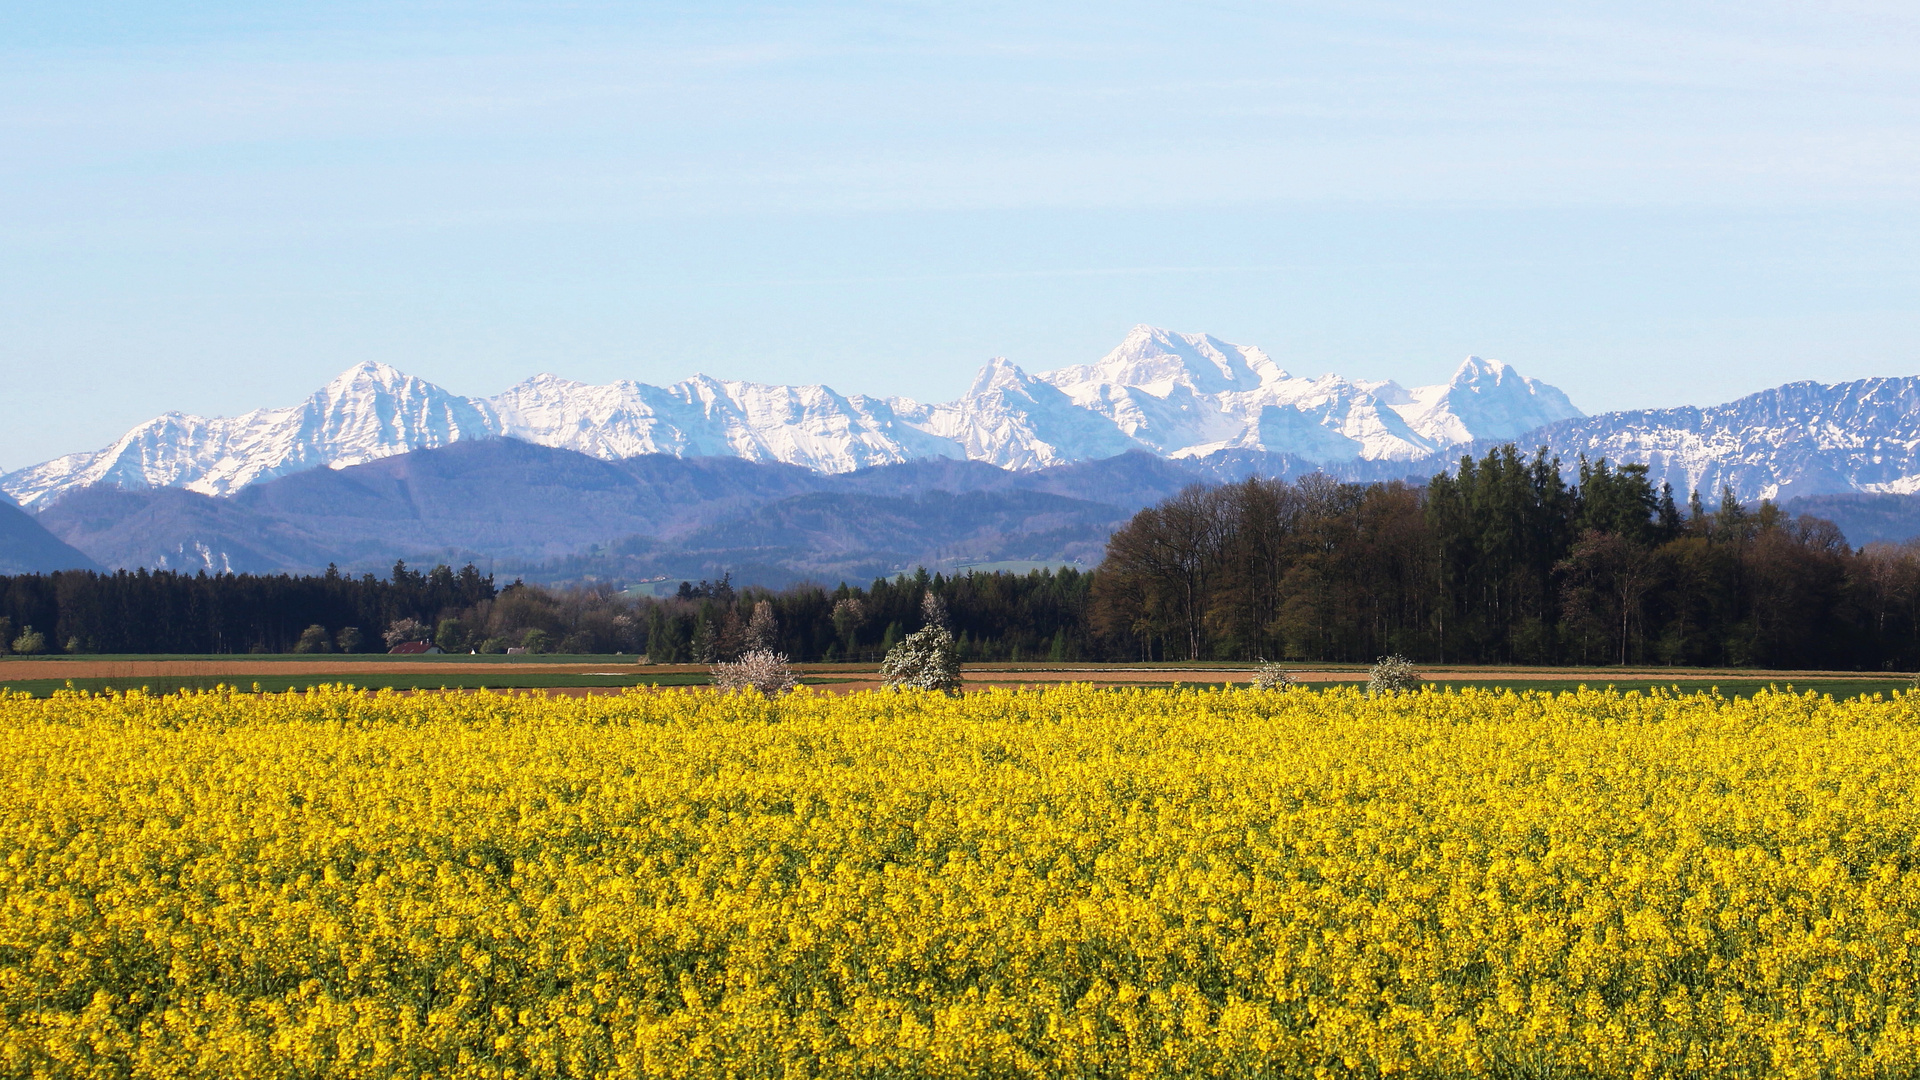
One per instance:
(313,639)
(451,636)
(1392,675)
(536,641)
(350,639)
(757,669)
(927,660)
(31,642)
(1273,677)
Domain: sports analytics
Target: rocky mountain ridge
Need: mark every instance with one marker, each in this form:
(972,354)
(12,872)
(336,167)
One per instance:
(1800,439)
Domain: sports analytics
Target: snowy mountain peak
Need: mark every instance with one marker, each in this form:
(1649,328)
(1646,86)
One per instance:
(546,380)
(1161,361)
(1475,369)
(1485,399)
(999,373)
(1178,395)
(369,373)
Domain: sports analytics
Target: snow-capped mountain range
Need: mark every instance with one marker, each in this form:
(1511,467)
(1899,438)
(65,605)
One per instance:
(1185,397)
(1175,395)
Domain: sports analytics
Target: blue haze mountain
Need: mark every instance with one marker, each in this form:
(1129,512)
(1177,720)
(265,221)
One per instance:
(546,513)
(26,547)
(1865,519)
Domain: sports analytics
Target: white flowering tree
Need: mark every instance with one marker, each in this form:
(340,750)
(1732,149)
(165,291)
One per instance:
(401,631)
(757,669)
(1392,675)
(929,659)
(1270,676)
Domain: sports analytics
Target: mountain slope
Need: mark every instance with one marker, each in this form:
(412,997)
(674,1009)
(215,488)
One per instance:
(1864,518)
(837,535)
(811,426)
(26,547)
(485,499)
(505,501)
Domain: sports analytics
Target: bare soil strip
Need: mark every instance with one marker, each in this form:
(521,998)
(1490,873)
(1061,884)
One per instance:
(844,678)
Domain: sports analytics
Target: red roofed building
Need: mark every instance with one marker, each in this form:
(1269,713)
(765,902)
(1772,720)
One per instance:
(414,648)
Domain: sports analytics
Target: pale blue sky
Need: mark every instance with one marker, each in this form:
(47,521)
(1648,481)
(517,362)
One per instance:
(213,207)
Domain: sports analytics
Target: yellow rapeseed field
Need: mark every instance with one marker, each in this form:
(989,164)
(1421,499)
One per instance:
(1069,882)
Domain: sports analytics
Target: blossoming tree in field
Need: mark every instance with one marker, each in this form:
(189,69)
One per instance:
(757,669)
(1392,675)
(929,659)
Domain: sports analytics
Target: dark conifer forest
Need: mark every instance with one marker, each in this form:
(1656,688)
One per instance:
(1511,560)
(1506,561)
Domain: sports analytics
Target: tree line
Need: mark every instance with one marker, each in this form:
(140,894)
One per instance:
(994,616)
(1507,560)
(169,612)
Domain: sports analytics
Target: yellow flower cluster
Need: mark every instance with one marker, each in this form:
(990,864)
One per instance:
(1067,882)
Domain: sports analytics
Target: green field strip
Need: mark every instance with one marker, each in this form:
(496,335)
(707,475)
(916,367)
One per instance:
(329,658)
(1733,688)
(279,684)
(1839,689)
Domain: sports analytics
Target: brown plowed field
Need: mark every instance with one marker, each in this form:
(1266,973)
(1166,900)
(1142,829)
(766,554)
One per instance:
(844,677)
